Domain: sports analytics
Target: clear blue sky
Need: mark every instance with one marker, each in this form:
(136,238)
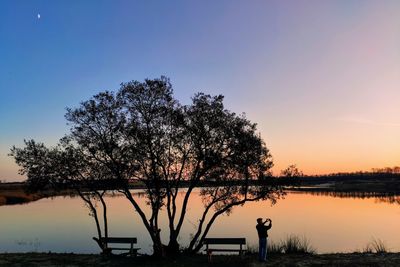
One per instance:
(321,78)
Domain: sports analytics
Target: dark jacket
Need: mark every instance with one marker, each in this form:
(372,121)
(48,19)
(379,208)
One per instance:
(262,230)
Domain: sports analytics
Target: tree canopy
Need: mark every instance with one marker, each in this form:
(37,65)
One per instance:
(142,133)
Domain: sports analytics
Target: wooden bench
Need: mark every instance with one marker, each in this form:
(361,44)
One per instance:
(132,251)
(241,242)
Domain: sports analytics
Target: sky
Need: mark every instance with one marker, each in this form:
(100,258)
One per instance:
(320,78)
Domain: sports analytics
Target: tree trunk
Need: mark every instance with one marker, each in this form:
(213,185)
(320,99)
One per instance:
(172,250)
(158,247)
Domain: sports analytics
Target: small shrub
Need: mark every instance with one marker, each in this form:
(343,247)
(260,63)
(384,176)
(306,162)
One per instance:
(274,248)
(376,246)
(368,249)
(295,244)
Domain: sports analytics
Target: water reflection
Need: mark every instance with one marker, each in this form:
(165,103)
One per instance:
(382,197)
(332,221)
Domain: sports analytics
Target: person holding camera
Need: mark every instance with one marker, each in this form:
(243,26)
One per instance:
(262,231)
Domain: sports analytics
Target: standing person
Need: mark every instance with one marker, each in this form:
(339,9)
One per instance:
(262,231)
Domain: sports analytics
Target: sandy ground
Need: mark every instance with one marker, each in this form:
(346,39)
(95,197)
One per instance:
(70,260)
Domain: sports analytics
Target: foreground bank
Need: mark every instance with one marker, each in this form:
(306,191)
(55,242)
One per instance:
(337,260)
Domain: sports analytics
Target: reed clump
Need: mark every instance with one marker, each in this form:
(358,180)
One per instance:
(295,244)
(376,246)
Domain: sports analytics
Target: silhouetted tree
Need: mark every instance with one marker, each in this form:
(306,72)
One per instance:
(291,171)
(64,167)
(143,133)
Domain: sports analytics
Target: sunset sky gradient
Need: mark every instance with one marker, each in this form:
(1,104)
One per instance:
(321,78)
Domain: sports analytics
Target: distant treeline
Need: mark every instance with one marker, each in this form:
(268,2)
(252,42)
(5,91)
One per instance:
(395,169)
(350,176)
(383,197)
(382,182)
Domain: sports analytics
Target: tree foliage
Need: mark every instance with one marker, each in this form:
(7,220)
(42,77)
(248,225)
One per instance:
(143,133)
(292,171)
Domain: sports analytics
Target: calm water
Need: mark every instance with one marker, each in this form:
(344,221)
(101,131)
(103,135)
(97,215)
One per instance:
(330,223)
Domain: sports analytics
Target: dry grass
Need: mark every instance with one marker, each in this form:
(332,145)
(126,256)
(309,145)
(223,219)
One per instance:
(274,248)
(376,246)
(295,244)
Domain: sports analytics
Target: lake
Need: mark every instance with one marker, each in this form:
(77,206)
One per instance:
(329,222)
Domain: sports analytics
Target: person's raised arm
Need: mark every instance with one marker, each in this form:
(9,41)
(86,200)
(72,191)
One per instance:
(270,223)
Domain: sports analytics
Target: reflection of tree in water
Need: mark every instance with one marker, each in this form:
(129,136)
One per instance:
(390,198)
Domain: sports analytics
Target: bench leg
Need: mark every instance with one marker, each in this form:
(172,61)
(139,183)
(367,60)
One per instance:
(209,253)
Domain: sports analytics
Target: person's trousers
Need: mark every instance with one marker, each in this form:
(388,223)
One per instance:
(262,249)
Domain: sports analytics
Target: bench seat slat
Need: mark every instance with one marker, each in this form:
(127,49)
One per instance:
(225,241)
(227,250)
(127,240)
(125,249)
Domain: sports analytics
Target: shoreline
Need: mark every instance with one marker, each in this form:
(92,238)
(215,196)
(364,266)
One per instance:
(15,193)
(70,259)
